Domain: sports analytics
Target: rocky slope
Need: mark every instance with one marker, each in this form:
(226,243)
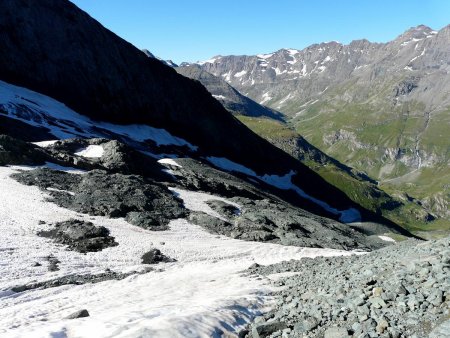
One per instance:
(379,107)
(399,291)
(112,81)
(110,187)
(356,184)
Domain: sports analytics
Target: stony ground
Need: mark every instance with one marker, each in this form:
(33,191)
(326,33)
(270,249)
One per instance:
(399,291)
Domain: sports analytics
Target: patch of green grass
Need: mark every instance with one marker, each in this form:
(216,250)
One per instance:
(359,190)
(267,128)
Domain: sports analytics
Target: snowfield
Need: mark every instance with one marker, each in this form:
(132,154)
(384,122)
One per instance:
(203,294)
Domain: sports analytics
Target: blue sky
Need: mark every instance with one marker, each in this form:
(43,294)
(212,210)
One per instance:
(191,30)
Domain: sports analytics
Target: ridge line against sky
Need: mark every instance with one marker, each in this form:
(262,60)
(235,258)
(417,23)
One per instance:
(183,30)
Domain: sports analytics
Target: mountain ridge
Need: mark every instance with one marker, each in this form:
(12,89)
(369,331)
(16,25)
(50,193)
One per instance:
(121,85)
(379,107)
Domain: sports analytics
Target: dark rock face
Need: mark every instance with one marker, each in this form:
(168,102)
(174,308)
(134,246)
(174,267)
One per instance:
(22,130)
(14,152)
(114,195)
(79,314)
(155,256)
(80,236)
(266,329)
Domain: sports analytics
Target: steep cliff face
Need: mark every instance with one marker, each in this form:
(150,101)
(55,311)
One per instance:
(381,108)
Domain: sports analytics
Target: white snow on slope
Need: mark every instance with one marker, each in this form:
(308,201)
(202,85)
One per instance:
(212,60)
(200,294)
(285,183)
(91,151)
(45,144)
(264,56)
(169,161)
(44,108)
(266,97)
(196,201)
(219,97)
(240,74)
(386,239)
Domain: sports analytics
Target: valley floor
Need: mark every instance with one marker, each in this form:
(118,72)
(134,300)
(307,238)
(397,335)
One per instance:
(202,294)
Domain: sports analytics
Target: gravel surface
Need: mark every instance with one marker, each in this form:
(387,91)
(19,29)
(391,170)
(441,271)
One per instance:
(399,291)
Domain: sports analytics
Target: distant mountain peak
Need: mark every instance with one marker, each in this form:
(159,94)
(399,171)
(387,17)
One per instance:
(417,32)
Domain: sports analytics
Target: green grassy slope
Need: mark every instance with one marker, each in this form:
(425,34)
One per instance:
(355,184)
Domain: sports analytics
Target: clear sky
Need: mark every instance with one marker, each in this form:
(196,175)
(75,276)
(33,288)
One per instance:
(192,30)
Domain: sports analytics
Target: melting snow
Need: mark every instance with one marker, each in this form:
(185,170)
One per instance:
(264,56)
(266,97)
(69,170)
(227,76)
(386,238)
(303,71)
(169,161)
(278,71)
(285,183)
(200,295)
(240,74)
(409,41)
(91,151)
(45,144)
(212,60)
(219,97)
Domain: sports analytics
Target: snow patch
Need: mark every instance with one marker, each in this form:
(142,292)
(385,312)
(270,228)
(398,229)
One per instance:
(91,151)
(212,60)
(70,170)
(219,97)
(240,74)
(387,239)
(266,98)
(45,144)
(293,52)
(196,201)
(227,76)
(169,161)
(59,190)
(278,71)
(264,56)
